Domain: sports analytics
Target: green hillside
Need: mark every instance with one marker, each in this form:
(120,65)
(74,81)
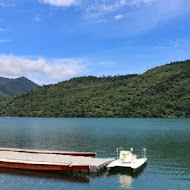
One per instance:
(11,87)
(160,92)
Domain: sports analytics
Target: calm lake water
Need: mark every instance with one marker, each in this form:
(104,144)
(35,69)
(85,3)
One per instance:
(167,142)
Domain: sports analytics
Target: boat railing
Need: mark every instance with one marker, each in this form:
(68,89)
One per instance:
(118,151)
(138,156)
(144,153)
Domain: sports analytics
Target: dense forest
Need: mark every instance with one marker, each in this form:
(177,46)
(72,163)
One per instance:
(160,92)
(11,87)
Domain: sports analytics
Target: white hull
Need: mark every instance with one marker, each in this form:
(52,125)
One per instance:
(133,165)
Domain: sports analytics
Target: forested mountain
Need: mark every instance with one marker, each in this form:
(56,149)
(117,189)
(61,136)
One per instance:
(11,87)
(160,92)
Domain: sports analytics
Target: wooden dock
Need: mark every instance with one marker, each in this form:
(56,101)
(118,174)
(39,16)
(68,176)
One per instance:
(50,160)
(90,154)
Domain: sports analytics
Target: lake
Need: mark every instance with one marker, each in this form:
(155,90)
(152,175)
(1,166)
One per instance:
(167,142)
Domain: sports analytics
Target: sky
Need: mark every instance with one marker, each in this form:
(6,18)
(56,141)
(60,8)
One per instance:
(49,41)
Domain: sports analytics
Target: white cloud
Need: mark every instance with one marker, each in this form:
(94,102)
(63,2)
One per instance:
(98,8)
(173,44)
(118,17)
(2,4)
(107,5)
(139,2)
(123,2)
(60,3)
(99,21)
(145,17)
(42,69)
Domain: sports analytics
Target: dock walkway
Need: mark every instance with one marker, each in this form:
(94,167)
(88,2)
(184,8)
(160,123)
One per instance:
(50,161)
(71,153)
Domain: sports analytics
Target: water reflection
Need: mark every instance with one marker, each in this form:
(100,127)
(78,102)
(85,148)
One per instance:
(125,181)
(67,176)
(126,176)
(167,142)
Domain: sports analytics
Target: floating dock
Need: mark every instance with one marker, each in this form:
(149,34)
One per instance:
(88,154)
(50,160)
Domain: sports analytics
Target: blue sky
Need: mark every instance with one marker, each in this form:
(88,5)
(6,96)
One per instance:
(53,40)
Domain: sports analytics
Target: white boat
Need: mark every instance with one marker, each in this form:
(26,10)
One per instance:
(128,159)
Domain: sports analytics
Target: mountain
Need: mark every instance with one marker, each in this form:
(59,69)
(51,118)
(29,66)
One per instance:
(160,92)
(12,87)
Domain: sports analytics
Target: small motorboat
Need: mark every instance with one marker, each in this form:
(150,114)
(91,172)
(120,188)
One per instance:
(128,159)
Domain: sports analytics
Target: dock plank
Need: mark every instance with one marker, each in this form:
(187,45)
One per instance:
(95,164)
(91,154)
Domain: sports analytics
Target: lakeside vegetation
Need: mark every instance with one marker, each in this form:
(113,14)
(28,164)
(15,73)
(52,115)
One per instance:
(160,92)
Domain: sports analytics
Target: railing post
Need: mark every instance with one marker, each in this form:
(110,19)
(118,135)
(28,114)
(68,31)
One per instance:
(144,153)
(118,151)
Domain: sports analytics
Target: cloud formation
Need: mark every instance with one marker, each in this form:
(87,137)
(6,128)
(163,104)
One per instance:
(49,69)
(140,16)
(173,44)
(4,5)
(118,17)
(60,3)
(99,21)
(137,2)
(95,9)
